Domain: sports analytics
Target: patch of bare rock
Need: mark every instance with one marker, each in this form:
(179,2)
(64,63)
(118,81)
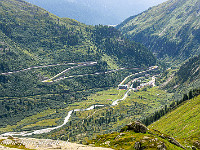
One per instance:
(45,144)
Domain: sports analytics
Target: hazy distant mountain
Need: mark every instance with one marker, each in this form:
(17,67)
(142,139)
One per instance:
(94,12)
(78,11)
(169,29)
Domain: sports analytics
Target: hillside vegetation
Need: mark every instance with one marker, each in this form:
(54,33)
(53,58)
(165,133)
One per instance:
(179,129)
(89,124)
(31,36)
(45,38)
(182,123)
(136,136)
(171,29)
(187,77)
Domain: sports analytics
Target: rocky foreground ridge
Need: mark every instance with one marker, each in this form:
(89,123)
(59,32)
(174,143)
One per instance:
(134,135)
(137,136)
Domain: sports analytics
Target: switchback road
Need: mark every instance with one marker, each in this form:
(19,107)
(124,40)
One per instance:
(47,130)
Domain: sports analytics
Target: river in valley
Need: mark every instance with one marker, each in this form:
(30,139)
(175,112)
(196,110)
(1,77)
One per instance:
(69,114)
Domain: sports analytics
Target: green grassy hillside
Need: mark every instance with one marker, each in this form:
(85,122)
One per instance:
(46,38)
(170,30)
(129,141)
(178,129)
(31,36)
(88,124)
(182,123)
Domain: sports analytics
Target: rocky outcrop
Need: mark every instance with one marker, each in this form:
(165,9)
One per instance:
(137,146)
(136,126)
(168,138)
(172,140)
(162,147)
(197,144)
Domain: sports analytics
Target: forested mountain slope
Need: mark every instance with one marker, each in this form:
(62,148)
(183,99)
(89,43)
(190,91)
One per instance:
(170,29)
(187,77)
(31,36)
(48,39)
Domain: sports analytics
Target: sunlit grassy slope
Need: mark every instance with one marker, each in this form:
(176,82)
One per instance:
(127,140)
(182,123)
(88,124)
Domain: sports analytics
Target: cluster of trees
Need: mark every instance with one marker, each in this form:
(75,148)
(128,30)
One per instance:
(104,121)
(48,40)
(26,86)
(158,114)
(35,37)
(110,41)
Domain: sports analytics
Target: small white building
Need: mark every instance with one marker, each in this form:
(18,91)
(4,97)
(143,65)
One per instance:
(123,87)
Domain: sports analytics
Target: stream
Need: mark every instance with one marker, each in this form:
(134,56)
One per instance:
(47,130)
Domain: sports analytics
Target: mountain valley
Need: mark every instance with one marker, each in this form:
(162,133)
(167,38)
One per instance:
(96,85)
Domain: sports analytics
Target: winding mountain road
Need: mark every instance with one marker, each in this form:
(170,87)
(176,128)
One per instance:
(45,66)
(97,73)
(60,75)
(47,130)
(68,69)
